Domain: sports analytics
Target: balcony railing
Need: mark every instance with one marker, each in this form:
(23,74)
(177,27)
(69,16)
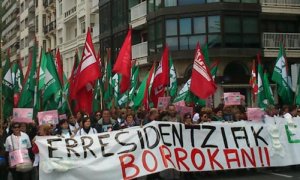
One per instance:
(46,3)
(70,12)
(138,11)
(280,2)
(272,40)
(49,27)
(140,50)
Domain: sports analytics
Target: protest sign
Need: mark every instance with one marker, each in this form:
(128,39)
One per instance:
(158,146)
(232,98)
(48,117)
(163,102)
(255,114)
(184,109)
(22,115)
(62,116)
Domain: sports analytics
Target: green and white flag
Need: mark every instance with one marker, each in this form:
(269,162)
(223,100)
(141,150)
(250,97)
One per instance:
(184,92)
(134,82)
(17,77)
(262,100)
(280,77)
(268,90)
(7,88)
(49,81)
(116,86)
(173,79)
(140,94)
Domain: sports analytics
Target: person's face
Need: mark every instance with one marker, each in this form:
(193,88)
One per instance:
(129,119)
(106,116)
(78,115)
(98,115)
(72,119)
(237,116)
(154,116)
(219,114)
(87,123)
(172,110)
(188,120)
(204,118)
(41,131)
(23,127)
(65,125)
(16,129)
(123,113)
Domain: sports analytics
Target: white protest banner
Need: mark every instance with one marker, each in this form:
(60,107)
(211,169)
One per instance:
(232,98)
(255,114)
(139,151)
(163,102)
(48,117)
(22,115)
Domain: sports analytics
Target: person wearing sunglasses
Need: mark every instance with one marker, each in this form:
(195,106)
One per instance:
(18,141)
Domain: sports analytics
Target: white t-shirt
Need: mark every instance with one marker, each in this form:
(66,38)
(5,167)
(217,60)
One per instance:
(81,132)
(17,142)
(73,128)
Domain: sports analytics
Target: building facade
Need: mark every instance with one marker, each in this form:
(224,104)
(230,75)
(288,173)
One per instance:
(235,31)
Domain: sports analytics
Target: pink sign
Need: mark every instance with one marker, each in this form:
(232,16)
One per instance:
(184,109)
(255,114)
(48,117)
(179,103)
(163,102)
(18,157)
(22,115)
(232,98)
(62,116)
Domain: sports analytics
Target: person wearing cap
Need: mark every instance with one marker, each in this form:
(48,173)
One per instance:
(18,140)
(86,127)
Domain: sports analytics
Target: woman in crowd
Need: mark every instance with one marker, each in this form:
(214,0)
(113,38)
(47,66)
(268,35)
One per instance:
(129,121)
(63,129)
(187,119)
(218,115)
(86,128)
(16,141)
(43,130)
(73,124)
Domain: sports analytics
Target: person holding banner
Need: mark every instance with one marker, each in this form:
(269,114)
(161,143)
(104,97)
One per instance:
(17,145)
(172,115)
(3,159)
(106,123)
(86,127)
(63,129)
(73,124)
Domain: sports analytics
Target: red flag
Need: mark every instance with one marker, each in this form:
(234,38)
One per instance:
(73,75)
(202,84)
(253,82)
(88,71)
(59,64)
(161,78)
(148,83)
(123,63)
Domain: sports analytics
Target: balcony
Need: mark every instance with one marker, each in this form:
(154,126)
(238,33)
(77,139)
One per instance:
(138,15)
(271,42)
(31,7)
(48,3)
(70,13)
(280,6)
(140,53)
(52,26)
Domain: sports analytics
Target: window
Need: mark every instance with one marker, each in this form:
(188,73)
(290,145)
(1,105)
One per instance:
(36,3)
(214,24)
(189,2)
(36,22)
(170,3)
(185,26)
(212,1)
(199,25)
(82,25)
(250,25)
(232,1)
(171,27)
(232,24)
(172,43)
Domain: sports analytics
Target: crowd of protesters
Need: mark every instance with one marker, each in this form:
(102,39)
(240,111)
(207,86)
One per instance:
(20,135)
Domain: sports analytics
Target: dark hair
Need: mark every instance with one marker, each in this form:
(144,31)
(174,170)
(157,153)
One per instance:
(61,122)
(187,115)
(15,123)
(84,120)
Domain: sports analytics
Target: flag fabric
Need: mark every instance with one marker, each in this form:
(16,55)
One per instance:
(88,73)
(148,88)
(59,65)
(280,77)
(253,80)
(202,84)
(17,80)
(214,69)
(161,77)
(97,96)
(140,94)
(268,90)
(123,63)
(262,102)
(297,95)
(173,79)
(29,95)
(134,82)
(73,76)
(116,86)
(206,55)
(49,81)
(7,85)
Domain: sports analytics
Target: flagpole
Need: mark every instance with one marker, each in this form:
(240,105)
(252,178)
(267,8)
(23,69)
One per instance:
(101,98)
(68,103)
(1,101)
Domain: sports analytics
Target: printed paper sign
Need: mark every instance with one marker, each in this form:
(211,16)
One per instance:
(163,102)
(62,116)
(18,157)
(184,109)
(48,117)
(232,98)
(255,114)
(22,115)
